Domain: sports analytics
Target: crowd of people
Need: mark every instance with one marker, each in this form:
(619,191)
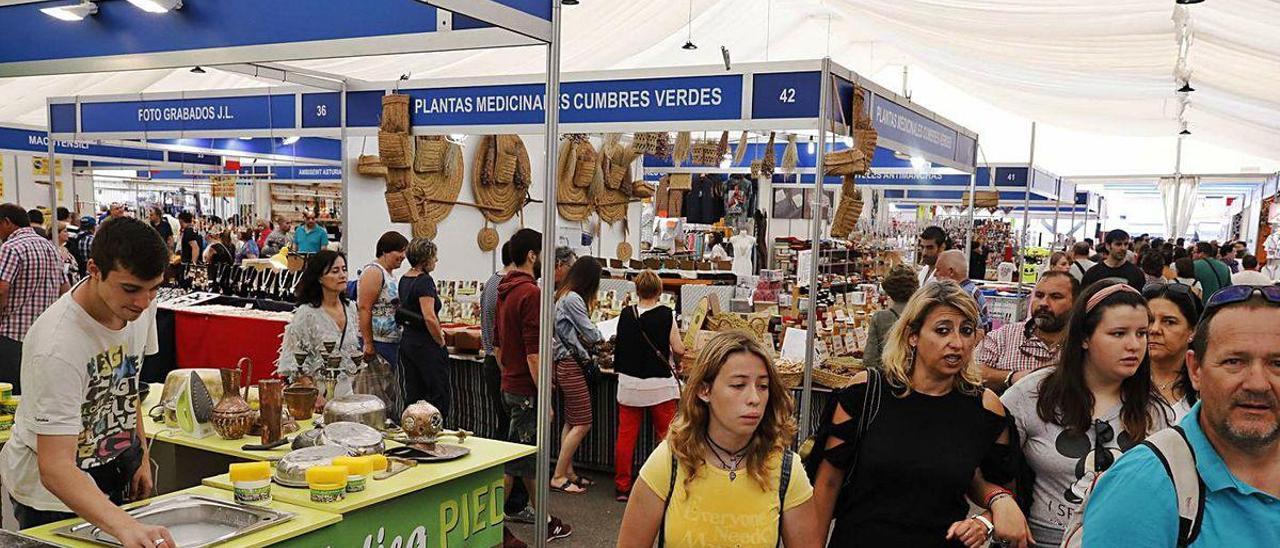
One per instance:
(955,434)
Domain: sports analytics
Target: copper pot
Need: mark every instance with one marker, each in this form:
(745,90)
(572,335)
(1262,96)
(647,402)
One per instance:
(233,416)
(301,401)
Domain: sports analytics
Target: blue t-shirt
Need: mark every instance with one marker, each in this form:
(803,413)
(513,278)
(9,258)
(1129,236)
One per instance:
(310,241)
(1134,503)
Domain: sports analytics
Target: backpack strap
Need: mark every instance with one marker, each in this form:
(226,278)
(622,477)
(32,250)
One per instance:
(784,481)
(1179,460)
(671,491)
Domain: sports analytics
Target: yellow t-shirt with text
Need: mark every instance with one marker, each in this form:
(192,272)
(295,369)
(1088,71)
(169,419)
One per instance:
(721,513)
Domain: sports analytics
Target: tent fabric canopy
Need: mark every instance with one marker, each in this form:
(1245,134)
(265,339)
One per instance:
(1097,74)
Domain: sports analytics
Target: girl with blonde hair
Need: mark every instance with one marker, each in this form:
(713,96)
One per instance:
(725,460)
(894,470)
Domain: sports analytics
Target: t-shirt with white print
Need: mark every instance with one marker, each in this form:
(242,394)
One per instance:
(79,378)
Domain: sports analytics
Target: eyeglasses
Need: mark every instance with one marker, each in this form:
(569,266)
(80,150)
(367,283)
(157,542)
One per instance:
(1241,293)
(1102,434)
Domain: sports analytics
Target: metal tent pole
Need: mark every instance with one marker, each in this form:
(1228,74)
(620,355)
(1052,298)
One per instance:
(546,312)
(1026,207)
(973,188)
(345,219)
(1056,203)
(53,176)
(815,235)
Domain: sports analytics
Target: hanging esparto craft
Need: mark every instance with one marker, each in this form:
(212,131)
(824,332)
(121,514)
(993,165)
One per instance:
(487,239)
(435,192)
(576,162)
(395,113)
(500,176)
(684,144)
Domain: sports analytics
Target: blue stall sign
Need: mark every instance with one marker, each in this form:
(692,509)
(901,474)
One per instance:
(332,173)
(321,110)
(634,100)
(911,129)
(196,114)
(912,179)
(777,95)
(27,140)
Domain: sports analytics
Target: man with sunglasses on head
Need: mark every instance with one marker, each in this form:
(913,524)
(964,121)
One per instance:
(1233,434)
(1017,349)
(1116,263)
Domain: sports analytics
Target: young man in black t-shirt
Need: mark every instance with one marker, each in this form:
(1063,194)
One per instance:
(190,248)
(1114,264)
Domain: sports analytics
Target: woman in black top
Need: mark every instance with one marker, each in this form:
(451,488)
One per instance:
(904,483)
(642,357)
(424,359)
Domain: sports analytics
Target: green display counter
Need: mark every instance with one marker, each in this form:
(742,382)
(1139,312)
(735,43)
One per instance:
(454,503)
(305,523)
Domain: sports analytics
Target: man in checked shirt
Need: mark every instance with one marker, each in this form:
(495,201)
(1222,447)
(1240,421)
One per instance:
(30,280)
(1016,349)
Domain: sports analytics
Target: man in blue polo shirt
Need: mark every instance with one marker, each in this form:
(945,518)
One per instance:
(310,237)
(1234,432)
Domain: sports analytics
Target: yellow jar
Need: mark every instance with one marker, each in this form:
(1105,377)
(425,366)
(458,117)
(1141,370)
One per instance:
(251,482)
(358,470)
(327,483)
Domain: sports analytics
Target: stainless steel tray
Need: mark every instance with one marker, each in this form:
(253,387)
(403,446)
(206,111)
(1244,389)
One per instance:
(193,520)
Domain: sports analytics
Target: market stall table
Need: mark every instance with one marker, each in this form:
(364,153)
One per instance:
(458,502)
(203,339)
(306,524)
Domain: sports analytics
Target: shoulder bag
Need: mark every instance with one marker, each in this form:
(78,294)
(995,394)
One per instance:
(818,442)
(590,369)
(635,311)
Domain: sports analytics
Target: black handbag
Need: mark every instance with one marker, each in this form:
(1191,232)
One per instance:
(409,318)
(590,369)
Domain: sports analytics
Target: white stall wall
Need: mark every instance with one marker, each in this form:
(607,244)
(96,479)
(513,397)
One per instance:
(20,187)
(460,257)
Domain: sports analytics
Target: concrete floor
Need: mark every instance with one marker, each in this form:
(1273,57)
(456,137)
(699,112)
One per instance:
(595,516)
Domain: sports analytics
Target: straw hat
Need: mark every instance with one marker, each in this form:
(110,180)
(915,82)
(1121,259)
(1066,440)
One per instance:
(432,190)
(500,176)
(487,239)
(624,252)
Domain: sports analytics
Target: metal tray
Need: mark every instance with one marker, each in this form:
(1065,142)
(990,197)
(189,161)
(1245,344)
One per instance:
(193,520)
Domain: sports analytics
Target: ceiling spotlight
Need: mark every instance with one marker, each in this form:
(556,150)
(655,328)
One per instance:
(1184,131)
(689,45)
(1186,88)
(919,164)
(198,70)
(290,140)
(157,6)
(1186,2)
(568,2)
(246,138)
(73,12)
(724,52)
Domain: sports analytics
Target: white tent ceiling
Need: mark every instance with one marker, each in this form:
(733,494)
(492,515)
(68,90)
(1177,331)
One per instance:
(1098,75)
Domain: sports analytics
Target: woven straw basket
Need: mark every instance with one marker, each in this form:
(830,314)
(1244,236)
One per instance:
(370,166)
(398,178)
(430,155)
(395,149)
(395,113)
(400,205)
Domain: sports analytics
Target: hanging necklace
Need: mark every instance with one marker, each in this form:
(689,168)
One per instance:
(734,460)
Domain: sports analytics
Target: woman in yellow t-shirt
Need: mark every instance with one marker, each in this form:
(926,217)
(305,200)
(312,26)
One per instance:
(728,441)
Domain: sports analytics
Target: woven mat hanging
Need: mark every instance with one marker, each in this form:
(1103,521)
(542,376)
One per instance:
(500,176)
(624,252)
(433,193)
(487,239)
(577,162)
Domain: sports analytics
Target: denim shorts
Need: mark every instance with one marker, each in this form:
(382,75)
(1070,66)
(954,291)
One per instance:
(522,412)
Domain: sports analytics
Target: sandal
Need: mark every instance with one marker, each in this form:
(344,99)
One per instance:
(582,481)
(569,487)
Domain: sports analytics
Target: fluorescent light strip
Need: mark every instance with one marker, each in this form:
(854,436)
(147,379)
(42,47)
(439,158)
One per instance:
(157,6)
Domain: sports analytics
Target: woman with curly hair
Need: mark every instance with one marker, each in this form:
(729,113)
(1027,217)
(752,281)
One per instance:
(894,470)
(734,423)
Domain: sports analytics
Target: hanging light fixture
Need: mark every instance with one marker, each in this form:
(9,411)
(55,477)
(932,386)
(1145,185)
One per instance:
(1184,131)
(157,6)
(73,12)
(1187,2)
(688,43)
(198,70)
(1186,87)
(568,2)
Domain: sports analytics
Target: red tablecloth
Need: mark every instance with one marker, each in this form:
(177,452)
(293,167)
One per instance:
(210,340)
